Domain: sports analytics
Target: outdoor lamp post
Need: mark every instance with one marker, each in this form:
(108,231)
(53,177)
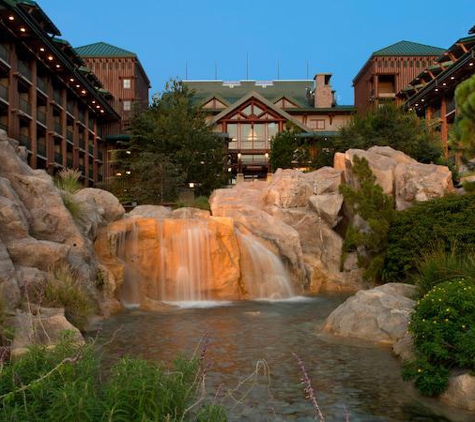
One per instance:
(240,176)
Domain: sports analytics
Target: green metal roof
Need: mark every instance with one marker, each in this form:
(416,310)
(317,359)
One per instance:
(232,91)
(408,48)
(102,49)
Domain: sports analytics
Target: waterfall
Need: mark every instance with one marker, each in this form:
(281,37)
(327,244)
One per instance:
(128,252)
(262,271)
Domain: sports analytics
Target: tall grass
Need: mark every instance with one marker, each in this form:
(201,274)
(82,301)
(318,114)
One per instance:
(64,289)
(438,265)
(65,384)
(68,180)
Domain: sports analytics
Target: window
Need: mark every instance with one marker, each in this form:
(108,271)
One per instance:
(127,83)
(318,124)
(127,105)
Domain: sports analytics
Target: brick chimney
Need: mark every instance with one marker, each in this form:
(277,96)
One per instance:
(323,91)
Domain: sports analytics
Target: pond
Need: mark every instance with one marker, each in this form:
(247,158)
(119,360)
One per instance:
(252,370)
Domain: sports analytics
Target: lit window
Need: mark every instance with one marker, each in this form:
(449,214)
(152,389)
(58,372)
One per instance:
(127,105)
(127,84)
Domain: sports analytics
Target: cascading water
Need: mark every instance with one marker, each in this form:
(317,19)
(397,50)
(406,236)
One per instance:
(262,271)
(195,260)
(184,258)
(128,252)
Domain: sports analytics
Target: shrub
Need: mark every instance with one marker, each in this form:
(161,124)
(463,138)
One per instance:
(73,206)
(450,220)
(437,265)
(443,328)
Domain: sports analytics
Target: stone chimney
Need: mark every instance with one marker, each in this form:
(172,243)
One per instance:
(323,91)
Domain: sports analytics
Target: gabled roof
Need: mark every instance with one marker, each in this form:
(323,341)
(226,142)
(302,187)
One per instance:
(102,49)
(264,101)
(232,91)
(409,48)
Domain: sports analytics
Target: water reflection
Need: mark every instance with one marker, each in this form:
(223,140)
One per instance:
(251,348)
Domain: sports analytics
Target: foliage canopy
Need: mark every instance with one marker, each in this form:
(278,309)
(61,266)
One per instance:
(464,129)
(172,146)
(390,126)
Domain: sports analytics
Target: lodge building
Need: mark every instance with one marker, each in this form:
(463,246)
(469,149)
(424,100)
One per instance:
(68,107)
(388,71)
(249,113)
(432,92)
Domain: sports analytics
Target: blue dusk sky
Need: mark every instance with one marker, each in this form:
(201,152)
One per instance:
(260,39)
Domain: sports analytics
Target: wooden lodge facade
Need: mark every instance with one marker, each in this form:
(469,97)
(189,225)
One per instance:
(431,93)
(388,71)
(49,101)
(249,113)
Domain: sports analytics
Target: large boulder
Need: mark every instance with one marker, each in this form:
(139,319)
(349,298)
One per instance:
(289,189)
(327,207)
(9,289)
(461,391)
(44,327)
(380,315)
(41,254)
(107,204)
(158,212)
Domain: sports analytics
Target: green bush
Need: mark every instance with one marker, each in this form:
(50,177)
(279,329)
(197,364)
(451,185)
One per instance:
(469,187)
(438,265)
(443,329)
(66,384)
(448,221)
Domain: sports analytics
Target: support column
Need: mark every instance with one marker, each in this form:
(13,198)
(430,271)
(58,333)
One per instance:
(444,130)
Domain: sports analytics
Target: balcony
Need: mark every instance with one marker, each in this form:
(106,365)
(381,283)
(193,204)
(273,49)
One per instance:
(25,106)
(82,143)
(70,108)
(69,136)
(91,174)
(4,92)
(82,169)
(99,156)
(24,70)
(69,163)
(4,53)
(41,84)
(91,149)
(25,141)
(41,149)
(41,117)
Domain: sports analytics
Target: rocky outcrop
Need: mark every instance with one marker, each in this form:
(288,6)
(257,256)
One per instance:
(190,212)
(399,175)
(380,315)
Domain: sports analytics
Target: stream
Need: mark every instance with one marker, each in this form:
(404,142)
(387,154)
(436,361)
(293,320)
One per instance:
(252,370)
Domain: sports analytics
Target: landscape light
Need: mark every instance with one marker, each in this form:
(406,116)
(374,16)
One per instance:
(11,18)
(23,29)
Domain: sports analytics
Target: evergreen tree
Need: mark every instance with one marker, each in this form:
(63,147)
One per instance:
(172,146)
(377,210)
(464,129)
(390,126)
